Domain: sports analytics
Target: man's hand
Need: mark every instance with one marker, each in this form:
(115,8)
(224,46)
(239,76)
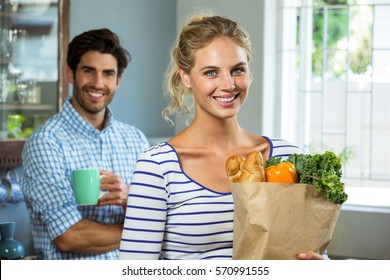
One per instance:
(117,190)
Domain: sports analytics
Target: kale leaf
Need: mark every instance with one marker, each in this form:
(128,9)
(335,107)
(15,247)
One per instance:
(272,161)
(321,170)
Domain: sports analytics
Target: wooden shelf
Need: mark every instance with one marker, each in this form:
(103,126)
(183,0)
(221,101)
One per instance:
(20,60)
(28,107)
(10,153)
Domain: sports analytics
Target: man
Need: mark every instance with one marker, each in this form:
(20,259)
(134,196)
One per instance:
(83,135)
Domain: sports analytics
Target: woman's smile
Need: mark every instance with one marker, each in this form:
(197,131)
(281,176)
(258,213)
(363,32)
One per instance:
(226,101)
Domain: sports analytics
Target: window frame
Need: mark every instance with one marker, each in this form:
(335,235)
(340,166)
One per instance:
(300,132)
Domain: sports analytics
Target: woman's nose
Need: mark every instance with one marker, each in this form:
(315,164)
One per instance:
(228,82)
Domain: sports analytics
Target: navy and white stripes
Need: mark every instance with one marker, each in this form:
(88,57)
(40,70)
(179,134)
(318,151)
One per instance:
(170,216)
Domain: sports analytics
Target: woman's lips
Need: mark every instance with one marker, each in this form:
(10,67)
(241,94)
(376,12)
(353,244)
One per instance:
(226,101)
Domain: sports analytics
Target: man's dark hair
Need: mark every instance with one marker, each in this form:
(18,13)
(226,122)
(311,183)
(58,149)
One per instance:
(100,40)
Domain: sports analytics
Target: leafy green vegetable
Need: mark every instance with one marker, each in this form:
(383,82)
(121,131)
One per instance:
(321,170)
(272,161)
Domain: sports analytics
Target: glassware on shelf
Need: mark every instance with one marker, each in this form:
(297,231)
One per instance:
(19,44)
(13,80)
(33,92)
(21,92)
(34,35)
(3,86)
(5,42)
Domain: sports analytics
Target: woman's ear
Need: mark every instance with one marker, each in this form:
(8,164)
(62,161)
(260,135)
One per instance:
(185,78)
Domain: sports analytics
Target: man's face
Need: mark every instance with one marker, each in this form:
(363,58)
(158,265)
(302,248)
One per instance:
(94,83)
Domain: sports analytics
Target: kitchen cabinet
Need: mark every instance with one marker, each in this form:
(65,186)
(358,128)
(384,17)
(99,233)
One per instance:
(34,35)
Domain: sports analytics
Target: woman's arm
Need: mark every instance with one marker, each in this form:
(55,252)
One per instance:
(146,212)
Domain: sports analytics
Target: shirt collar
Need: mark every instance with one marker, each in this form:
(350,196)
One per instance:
(80,124)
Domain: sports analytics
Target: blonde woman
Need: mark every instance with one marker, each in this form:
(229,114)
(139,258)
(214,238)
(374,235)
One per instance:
(180,204)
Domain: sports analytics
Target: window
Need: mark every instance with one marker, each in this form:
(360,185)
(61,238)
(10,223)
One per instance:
(334,61)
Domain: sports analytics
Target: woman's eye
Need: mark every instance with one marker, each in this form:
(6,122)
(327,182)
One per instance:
(238,71)
(211,73)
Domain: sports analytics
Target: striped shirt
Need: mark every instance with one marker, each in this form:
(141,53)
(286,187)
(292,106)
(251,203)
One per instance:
(171,216)
(66,142)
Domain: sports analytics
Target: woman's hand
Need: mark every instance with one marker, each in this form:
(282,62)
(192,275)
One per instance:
(117,190)
(310,255)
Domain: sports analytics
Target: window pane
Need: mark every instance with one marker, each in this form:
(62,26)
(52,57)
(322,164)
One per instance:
(360,39)
(359,83)
(382,27)
(381,131)
(336,63)
(315,119)
(337,27)
(318,37)
(333,142)
(379,1)
(334,106)
(358,137)
(381,64)
(298,17)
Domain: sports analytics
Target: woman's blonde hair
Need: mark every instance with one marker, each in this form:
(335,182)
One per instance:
(199,32)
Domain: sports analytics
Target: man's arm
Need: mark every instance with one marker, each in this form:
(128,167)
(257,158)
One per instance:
(89,237)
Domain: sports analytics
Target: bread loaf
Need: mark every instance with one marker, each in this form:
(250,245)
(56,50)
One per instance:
(250,169)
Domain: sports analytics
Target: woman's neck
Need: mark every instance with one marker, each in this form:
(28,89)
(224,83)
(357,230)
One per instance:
(224,134)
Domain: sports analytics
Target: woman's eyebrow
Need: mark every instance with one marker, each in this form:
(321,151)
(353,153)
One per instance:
(211,67)
(208,67)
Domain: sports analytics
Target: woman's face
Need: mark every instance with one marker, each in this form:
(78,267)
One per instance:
(219,79)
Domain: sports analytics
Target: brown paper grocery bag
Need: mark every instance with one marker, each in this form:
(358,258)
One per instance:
(277,221)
